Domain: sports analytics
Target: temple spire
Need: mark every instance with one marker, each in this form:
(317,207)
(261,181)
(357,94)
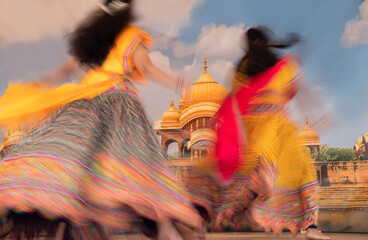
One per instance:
(205,63)
(306,120)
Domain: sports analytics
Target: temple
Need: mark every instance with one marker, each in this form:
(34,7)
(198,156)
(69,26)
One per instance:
(187,129)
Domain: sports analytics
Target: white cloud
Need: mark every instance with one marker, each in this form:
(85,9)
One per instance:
(25,20)
(155,97)
(219,69)
(223,46)
(166,16)
(161,61)
(216,40)
(162,41)
(356,30)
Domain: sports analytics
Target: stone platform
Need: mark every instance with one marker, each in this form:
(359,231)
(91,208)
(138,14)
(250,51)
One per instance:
(245,236)
(255,236)
(344,208)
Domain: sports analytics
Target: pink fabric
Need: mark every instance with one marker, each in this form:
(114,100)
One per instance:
(230,131)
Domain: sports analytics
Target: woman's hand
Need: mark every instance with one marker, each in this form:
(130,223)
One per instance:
(183,83)
(143,63)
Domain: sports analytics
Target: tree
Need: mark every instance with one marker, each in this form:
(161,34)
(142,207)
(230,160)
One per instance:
(328,154)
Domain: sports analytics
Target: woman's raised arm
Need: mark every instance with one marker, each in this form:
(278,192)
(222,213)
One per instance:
(144,64)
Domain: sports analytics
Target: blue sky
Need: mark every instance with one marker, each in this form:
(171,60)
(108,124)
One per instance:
(334,51)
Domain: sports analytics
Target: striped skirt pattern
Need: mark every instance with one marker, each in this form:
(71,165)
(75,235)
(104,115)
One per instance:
(275,186)
(95,161)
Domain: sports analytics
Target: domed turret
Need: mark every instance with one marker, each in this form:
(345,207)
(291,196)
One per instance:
(359,146)
(171,114)
(361,140)
(309,135)
(205,89)
(11,137)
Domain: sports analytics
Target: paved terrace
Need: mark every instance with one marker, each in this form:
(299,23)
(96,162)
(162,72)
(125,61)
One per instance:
(254,236)
(340,197)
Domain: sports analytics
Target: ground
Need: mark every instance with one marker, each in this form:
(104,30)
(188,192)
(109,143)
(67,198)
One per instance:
(248,236)
(256,236)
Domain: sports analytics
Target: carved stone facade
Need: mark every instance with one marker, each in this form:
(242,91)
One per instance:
(336,173)
(187,127)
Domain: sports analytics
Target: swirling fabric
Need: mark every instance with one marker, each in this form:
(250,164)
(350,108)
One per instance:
(272,180)
(94,161)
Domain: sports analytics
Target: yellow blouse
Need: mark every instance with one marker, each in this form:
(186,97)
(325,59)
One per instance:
(26,102)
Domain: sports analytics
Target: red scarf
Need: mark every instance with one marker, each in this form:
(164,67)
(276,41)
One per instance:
(231,136)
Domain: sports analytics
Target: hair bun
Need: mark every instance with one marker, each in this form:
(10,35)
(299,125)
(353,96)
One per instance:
(254,33)
(260,36)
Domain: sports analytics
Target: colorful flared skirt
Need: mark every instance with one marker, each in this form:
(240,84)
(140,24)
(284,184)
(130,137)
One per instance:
(95,163)
(275,187)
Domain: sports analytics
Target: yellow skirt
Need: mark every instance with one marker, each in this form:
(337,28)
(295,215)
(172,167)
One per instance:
(274,137)
(276,184)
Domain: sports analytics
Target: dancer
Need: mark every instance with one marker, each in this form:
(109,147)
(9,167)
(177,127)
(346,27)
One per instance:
(94,163)
(259,164)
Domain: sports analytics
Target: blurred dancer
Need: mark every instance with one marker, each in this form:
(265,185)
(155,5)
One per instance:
(259,163)
(94,160)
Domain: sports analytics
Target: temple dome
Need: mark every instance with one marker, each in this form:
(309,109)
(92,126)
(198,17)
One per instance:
(309,136)
(11,137)
(360,141)
(171,114)
(205,89)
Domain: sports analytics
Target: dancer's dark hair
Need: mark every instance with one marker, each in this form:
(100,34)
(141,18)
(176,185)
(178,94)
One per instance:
(92,40)
(259,55)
